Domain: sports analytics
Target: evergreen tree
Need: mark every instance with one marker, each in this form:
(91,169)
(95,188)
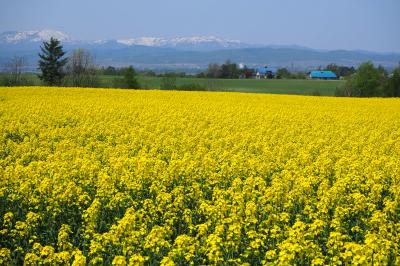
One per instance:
(51,62)
(130,78)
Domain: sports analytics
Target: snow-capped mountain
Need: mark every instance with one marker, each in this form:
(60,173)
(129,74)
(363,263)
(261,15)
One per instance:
(145,41)
(187,43)
(14,37)
(194,42)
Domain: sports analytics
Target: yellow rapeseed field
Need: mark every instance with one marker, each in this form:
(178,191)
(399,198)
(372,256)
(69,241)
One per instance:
(101,177)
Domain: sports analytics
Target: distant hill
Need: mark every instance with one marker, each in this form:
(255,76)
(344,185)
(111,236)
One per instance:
(186,52)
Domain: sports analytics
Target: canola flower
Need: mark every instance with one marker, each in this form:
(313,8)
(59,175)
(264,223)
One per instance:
(115,177)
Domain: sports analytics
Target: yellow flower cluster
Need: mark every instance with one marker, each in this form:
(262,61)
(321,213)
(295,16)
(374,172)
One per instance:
(117,177)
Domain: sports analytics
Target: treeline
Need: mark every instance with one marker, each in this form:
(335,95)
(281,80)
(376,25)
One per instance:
(76,70)
(231,70)
(120,71)
(228,70)
(371,81)
(340,71)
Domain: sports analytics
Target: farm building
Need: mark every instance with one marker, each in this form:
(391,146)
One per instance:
(322,75)
(265,72)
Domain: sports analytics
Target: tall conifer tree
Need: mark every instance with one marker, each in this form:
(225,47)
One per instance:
(51,62)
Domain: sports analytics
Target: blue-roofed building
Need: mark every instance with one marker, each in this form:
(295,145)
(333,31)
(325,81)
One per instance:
(265,72)
(322,75)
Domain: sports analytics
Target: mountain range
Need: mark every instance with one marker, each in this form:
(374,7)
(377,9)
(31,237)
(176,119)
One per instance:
(185,53)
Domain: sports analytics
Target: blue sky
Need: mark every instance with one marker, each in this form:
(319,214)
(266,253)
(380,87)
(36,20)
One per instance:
(336,24)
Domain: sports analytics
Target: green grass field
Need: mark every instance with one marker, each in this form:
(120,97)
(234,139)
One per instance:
(276,86)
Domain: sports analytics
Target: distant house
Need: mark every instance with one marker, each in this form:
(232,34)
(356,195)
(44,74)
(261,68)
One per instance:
(322,75)
(265,72)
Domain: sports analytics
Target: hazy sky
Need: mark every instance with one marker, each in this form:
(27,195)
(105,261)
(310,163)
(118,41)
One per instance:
(335,24)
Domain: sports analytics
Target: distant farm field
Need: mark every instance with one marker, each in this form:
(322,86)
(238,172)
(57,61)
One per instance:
(150,177)
(274,86)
